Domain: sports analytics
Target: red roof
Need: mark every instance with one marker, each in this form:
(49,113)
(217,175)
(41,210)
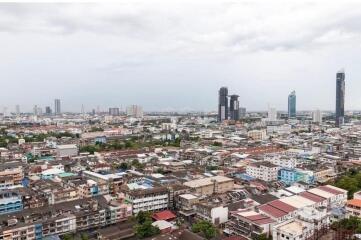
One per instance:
(164,215)
(282,206)
(312,197)
(330,190)
(274,212)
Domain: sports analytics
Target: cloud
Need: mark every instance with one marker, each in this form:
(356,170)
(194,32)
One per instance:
(229,25)
(197,44)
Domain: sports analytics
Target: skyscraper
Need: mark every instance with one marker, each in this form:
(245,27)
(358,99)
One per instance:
(272,113)
(47,110)
(222,104)
(317,116)
(17,110)
(57,107)
(234,107)
(292,105)
(340,98)
(114,111)
(135,111)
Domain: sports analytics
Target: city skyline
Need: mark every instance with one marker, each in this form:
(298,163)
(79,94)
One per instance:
(159,55)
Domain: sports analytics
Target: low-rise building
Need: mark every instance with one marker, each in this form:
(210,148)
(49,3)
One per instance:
(265,171)
(210,185)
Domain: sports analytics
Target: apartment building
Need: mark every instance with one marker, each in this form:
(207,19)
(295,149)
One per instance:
(249,223)
(151,199)
(353,208)
(62,218)
(282,161)
(213,212)
(10,201)
(210,185)
(11,172)
(265,171)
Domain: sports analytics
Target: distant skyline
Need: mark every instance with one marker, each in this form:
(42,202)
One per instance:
(175,55)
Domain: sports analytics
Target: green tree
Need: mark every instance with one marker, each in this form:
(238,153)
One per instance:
(143,217)
(67,237)
(123,166)
(144,227)
(261,237)
(206,228)
(84,236)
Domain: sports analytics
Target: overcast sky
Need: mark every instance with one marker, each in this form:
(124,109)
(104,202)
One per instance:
(174,55)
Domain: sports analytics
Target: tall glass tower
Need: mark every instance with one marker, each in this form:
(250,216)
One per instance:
(234,107)
(292,105)
(222,104)
(57,107)
(340,97)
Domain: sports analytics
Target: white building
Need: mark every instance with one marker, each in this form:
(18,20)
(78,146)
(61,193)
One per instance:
(152,199)
(272,114)
(317,116)
(135,111)
(281,130)
(282,161)
(67,150)
(265,171)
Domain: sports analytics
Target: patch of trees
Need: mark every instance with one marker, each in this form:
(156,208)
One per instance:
(144,227)
(205,228)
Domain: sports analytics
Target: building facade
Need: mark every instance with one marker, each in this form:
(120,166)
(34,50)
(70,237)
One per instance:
(222,104)
(57,106)
(292,105)
(234,108)
(340,98)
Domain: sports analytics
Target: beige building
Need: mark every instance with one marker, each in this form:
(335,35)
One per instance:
(325,174)
(210,185)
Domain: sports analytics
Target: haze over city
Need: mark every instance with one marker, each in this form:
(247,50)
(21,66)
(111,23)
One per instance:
(174,55)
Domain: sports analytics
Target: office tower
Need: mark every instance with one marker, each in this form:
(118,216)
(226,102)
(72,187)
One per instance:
(114,111)
(40,111)
(317,116)
(292,105)
(340,98)
(135,111)
(17,110)
(5,112)
(242,112)
(234,107)
(35,110)
(222,104)
(47,110)
(82,110)
(93,112)
(57,106)
(272,114)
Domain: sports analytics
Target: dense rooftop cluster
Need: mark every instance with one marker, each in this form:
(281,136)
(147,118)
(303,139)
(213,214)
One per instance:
(176,176)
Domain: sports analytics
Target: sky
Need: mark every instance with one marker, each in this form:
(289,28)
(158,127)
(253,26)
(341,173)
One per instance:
(170,55)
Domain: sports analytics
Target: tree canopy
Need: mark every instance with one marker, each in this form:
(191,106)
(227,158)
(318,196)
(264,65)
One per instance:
(206,228)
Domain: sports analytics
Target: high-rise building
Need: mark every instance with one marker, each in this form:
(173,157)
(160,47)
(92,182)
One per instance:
(114,111)
(242,112)
(17,110)
(340,98)
(135,111)
(48,110)
(234,107)
(35,110)
(272,113)
(317,116)
(57,106)
(292,105)
(222,104)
